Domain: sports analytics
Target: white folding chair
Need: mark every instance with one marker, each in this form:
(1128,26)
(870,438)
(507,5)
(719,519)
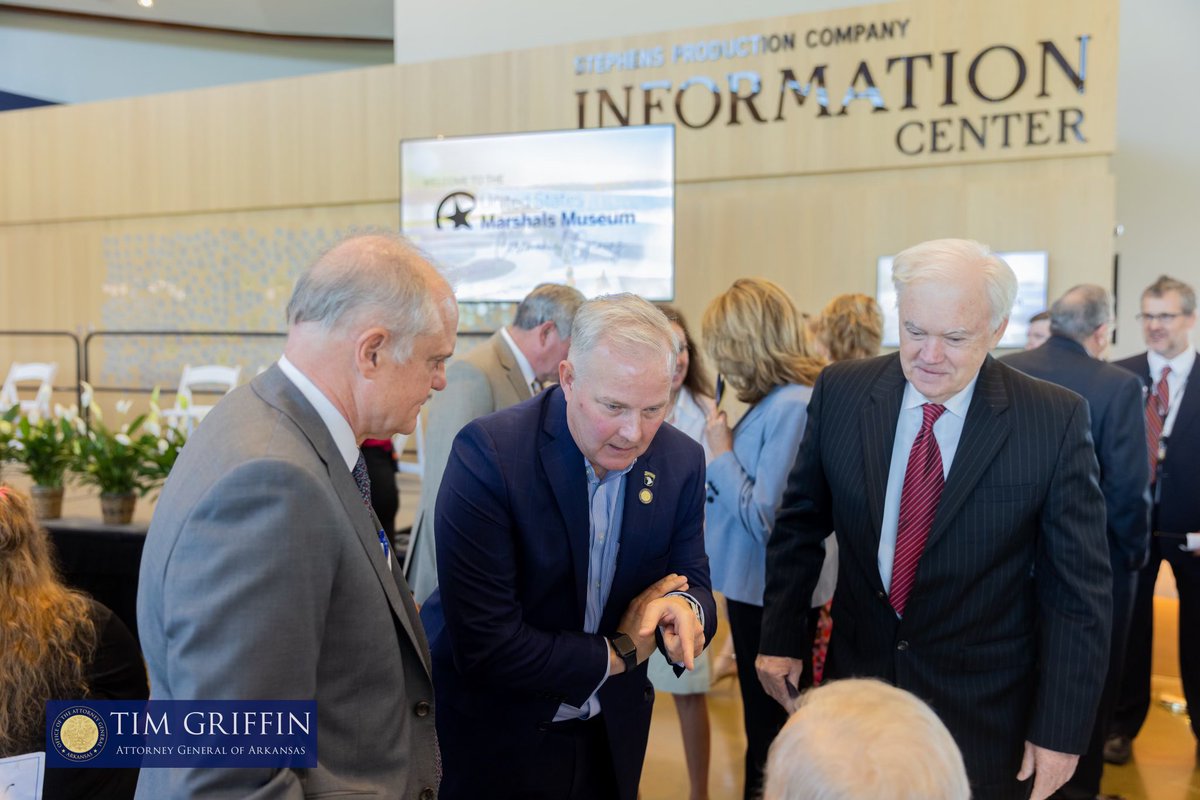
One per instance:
(212,377)
(29,372)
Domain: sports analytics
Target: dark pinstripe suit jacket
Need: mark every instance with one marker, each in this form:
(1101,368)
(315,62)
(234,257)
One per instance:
(1006,631)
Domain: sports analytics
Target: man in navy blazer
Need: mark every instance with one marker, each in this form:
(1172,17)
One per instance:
(1168,316)
(973,569)
(569,549)
(1080,324)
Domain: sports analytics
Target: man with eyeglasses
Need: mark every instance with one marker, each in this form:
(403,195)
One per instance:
(1172,414)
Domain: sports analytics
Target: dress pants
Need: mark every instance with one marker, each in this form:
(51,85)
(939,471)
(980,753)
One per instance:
(764,717)
(1085,783)
(574,762)
(1133,702)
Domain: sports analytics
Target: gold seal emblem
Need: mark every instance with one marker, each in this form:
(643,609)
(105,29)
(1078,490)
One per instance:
(645,495)
(79,733)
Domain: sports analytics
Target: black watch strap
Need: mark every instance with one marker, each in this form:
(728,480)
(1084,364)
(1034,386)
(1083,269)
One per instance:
(625,649)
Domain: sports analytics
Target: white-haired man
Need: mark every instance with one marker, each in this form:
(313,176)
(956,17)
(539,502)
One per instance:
(567,527)
(973,567)
(509,367)
(838,726)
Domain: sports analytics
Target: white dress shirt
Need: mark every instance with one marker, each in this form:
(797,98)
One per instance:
(947,430)
(526,368)
(1181,367)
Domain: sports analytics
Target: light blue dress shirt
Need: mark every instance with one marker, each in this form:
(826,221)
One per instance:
(605,501)
(947,430)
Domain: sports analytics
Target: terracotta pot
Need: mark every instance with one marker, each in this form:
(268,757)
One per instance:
(47,501)
(117,509)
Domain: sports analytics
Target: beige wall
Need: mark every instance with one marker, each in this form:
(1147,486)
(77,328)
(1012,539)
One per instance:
(99,201)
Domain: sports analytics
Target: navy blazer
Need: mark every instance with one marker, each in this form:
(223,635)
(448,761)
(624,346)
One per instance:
(506,624)
(1007,628)
(1175,505)
(1118,430)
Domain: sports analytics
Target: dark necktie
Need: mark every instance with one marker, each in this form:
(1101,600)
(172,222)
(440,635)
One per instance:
(1157,405)
(919,498)
(364,488)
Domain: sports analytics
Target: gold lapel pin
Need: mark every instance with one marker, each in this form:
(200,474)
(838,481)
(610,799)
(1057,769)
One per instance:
(645,495)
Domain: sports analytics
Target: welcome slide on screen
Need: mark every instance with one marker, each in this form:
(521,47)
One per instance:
(499,214)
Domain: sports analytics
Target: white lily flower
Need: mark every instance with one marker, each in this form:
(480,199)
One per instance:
(59,411)
(17,444)
(123,406)
(87,396)
(152,428)
(163,446)
(123,440)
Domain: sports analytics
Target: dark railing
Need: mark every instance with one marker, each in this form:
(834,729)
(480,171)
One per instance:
(79,358)
(94,335)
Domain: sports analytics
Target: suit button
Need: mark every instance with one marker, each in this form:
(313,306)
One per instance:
(427,793)
(902,644)
(881,595)
(421,709)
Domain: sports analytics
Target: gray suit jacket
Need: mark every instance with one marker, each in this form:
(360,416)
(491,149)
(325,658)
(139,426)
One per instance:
(263,578)
(479,383)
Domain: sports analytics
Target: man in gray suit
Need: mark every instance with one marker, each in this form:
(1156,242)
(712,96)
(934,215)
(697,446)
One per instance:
(509,367)
(264,575)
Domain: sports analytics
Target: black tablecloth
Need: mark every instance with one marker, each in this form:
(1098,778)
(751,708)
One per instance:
(103,560)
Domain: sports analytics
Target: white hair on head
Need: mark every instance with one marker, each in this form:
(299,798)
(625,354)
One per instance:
(627,324)
(373,276)
(860,738)
(944,260)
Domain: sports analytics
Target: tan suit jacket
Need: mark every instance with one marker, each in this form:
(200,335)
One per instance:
(485,380)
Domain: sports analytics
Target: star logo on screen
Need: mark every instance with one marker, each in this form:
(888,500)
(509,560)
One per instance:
(454,208)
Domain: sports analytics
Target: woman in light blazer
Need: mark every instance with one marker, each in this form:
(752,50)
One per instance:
(754,335)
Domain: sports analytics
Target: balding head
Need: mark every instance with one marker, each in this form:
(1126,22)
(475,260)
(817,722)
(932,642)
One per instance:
(371,323)
(1083,315)
(370,279)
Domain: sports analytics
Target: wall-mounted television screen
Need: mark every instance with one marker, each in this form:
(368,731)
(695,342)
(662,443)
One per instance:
(1032,275)
(594,209)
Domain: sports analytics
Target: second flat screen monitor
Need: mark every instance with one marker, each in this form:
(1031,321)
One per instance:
(594,209)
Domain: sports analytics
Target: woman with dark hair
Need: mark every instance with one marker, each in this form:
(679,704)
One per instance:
(56,644)
(690,386)
(755,336)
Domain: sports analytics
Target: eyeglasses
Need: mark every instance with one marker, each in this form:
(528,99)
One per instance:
(1163,318)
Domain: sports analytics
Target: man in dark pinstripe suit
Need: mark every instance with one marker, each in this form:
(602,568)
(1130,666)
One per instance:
(985,589)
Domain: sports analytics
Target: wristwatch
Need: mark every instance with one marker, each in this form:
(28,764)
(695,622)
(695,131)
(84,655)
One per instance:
(625,649)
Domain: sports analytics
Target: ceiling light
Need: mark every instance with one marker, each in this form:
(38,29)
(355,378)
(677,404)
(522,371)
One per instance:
(146,3)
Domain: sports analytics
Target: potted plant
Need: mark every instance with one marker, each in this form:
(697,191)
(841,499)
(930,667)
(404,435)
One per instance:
(43,447)
(125,463)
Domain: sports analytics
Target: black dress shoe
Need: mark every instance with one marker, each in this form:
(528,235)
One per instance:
(1118,749)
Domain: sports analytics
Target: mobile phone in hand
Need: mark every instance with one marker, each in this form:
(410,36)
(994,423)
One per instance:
(720,389)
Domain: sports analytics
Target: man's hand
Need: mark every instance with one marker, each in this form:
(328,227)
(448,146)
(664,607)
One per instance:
(639,607)
(683,635)
(779,676)
(1049,768)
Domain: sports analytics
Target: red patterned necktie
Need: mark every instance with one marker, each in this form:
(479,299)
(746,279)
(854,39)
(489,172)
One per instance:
(923,481)
(1157,405)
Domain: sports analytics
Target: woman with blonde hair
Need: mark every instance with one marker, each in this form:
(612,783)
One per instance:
(850,326)
(56,644)
(754,335)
